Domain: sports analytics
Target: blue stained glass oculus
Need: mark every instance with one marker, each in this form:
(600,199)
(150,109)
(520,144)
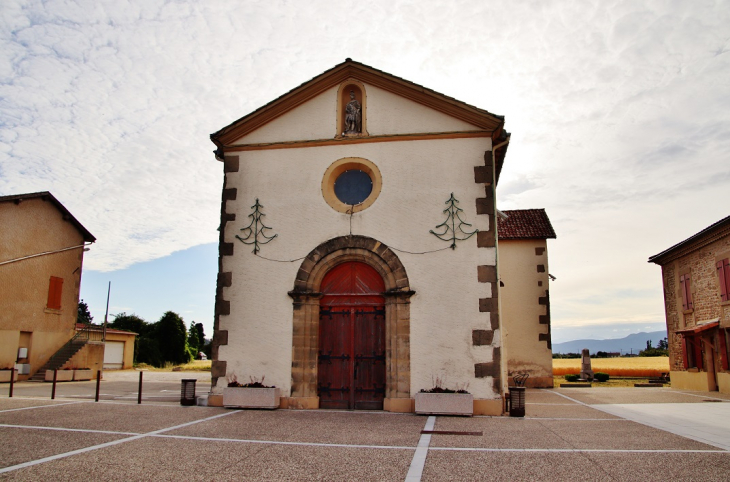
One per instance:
(353,186)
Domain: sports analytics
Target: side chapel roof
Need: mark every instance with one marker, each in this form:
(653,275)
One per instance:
(491,123)
(525,224)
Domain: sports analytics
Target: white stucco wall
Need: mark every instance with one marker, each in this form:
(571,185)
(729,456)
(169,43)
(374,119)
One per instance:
(417,179)
(386,114)
(520,306)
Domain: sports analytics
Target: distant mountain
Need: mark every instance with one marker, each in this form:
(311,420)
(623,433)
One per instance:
(630,344)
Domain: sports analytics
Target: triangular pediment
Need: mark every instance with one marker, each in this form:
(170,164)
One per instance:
(421,97)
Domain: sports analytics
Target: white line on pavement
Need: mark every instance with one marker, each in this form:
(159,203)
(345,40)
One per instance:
(40,406)
(620,451)
(64,429)
(415,471)
(107,444)
(278,442)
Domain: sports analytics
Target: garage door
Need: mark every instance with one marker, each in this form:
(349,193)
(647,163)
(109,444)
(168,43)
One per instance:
(113,355)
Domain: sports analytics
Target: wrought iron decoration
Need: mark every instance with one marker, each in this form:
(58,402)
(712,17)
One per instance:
(255,229)
(450,226)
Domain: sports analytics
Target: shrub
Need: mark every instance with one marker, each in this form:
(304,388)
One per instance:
(601,377)
(572,378)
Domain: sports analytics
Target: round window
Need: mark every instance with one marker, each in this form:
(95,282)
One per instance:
(353,186)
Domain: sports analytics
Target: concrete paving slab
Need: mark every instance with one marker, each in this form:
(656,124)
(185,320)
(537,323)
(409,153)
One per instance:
(462,466)
(100,416)
(705,422)
(575,411)
(543,396)
(609,434)
(498,432)
(352,428)
(662,467)
(175,459)
(16,403)
(619,435)
(22,445)
(599,395)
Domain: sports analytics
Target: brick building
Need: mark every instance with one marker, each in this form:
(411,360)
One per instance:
(696,281)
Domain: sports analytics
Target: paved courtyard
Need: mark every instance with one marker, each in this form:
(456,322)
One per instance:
(568,434)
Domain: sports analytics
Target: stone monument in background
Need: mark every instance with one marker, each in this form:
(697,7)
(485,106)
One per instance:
(585,365)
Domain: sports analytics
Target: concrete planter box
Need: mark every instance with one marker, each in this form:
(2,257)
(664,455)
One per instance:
(81,375)
(445,404)
(240,397)
(5,376)
(63,375)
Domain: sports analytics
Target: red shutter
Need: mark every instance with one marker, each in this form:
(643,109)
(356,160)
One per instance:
(688,287)
(55,289)
(684,292)
(721,277)
(726,270)
(722,346)
(685,360)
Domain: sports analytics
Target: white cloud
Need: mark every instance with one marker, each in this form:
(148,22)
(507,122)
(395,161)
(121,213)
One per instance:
(619,112)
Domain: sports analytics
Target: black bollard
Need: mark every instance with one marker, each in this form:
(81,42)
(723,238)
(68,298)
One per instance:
(12,381)
(98,384)
(53,390)
(139,393)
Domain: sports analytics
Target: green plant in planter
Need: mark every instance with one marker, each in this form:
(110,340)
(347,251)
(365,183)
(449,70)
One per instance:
(601,377)
(572,378)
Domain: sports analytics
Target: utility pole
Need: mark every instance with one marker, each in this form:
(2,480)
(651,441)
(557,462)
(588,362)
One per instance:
(106,315)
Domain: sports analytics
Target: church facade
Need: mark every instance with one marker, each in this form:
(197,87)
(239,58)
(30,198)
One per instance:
(358,246)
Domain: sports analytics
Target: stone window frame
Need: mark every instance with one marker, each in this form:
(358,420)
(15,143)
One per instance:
(306,296)
(345,164)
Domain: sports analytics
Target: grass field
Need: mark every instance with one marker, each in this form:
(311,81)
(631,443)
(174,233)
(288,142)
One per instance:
(193,366)
(633,367)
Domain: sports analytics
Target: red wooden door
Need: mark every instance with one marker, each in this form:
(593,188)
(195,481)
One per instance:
(351,362)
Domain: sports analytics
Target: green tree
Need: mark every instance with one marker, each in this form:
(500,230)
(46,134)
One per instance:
(172,338)
(131,322)
(84,316)
(663,344)
(145,348)
(201,334)
(193,340)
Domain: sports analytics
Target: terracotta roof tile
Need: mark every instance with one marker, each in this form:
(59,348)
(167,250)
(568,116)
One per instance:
(525,224)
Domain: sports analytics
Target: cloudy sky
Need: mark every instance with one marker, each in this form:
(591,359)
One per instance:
(620,114)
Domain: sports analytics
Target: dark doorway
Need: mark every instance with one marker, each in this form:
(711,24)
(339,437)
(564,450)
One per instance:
(351,358)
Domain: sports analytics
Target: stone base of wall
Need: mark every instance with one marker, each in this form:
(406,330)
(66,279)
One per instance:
(399,405)
(489,407)
(689,381)
(536,382)
(723,382)
(300,403)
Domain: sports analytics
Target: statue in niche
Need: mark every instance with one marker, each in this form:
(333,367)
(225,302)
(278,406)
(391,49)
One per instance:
(353,116)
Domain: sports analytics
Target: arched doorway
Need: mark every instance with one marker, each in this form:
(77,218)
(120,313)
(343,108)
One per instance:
(351,358)
(306,297)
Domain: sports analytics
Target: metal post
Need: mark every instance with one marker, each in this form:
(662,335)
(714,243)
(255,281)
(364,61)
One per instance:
(98,384)
(108,292)
(53,391)
(139,393)
(12,381)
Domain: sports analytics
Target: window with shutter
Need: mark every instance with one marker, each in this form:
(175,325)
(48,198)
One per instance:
(723,274)
(55,289)
(683,291)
